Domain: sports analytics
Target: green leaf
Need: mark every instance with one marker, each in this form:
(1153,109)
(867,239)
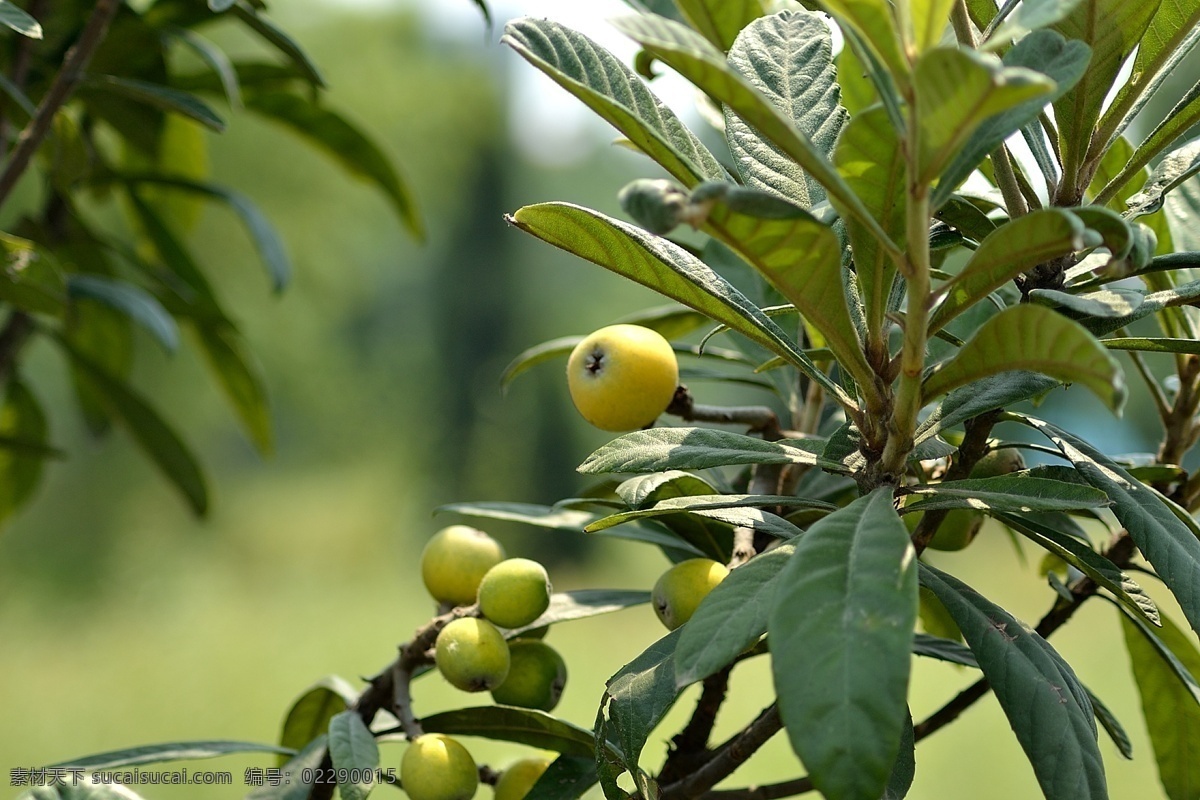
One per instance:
(869,156)
(720,21)
(1111,303)
(1151,345)
(352,748)
(217,6)
(157,96)
(510,724)
(583,603)
(1172,716)
(16,18)
(905,769)
(1165,534)
(197,293)
(148,429)
(293,784)
(241,378)
(1009,251)
(308,718)
(266,240)
(703,65)
(668,269)
(1111,725)
(1047,707)
(997,391)
(930,19)
(132,301)
(30,277)
(568,521)
(273,35)
(1173,31)
(616,94)
(943,649)
(539,353)
(956,91)
(1111,28)
(1170,661)
(799,255)
(638,697)
(1017,492)
(841,633)
(567,778)
(343,141)
(698,504)
(644,491)
(169,751)
(875,23)
(1030,337)
(731,617)
(216,59)
(1076,553)
(1173,170)
(1029,16)
(1044,52)
(661,449)
(23,447)
(788,57)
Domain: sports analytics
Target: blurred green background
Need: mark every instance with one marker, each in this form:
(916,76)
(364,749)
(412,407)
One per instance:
(124,621)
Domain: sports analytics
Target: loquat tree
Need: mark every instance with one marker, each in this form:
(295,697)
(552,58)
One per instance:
(909,244)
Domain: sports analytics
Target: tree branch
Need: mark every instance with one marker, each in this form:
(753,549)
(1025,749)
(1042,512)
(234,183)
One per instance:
(760,419)
(60,91)
(729,756)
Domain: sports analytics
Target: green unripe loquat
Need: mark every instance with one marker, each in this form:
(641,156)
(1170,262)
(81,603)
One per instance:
(454,562)
(679,591)
(622,377)
(472,655)
(515,592)
(436,767)
(536,676)
(998,462)
(516,781)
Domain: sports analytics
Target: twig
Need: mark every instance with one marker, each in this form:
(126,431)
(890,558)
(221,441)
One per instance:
(64,84)
(1006,181)
(759,419)
(768,792)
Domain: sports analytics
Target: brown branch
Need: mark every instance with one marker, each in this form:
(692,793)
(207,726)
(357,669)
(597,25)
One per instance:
(689,747)
(759,419)
(768,792)
(65,82)
(728,757)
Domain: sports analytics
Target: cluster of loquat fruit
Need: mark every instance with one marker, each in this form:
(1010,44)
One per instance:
(464,568)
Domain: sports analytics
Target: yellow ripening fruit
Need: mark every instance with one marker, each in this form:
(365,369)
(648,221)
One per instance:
(681,588)
(472,655)
(455,560)
(622,377)
(436,767)
(516,781)
(515,592)
(536,676)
